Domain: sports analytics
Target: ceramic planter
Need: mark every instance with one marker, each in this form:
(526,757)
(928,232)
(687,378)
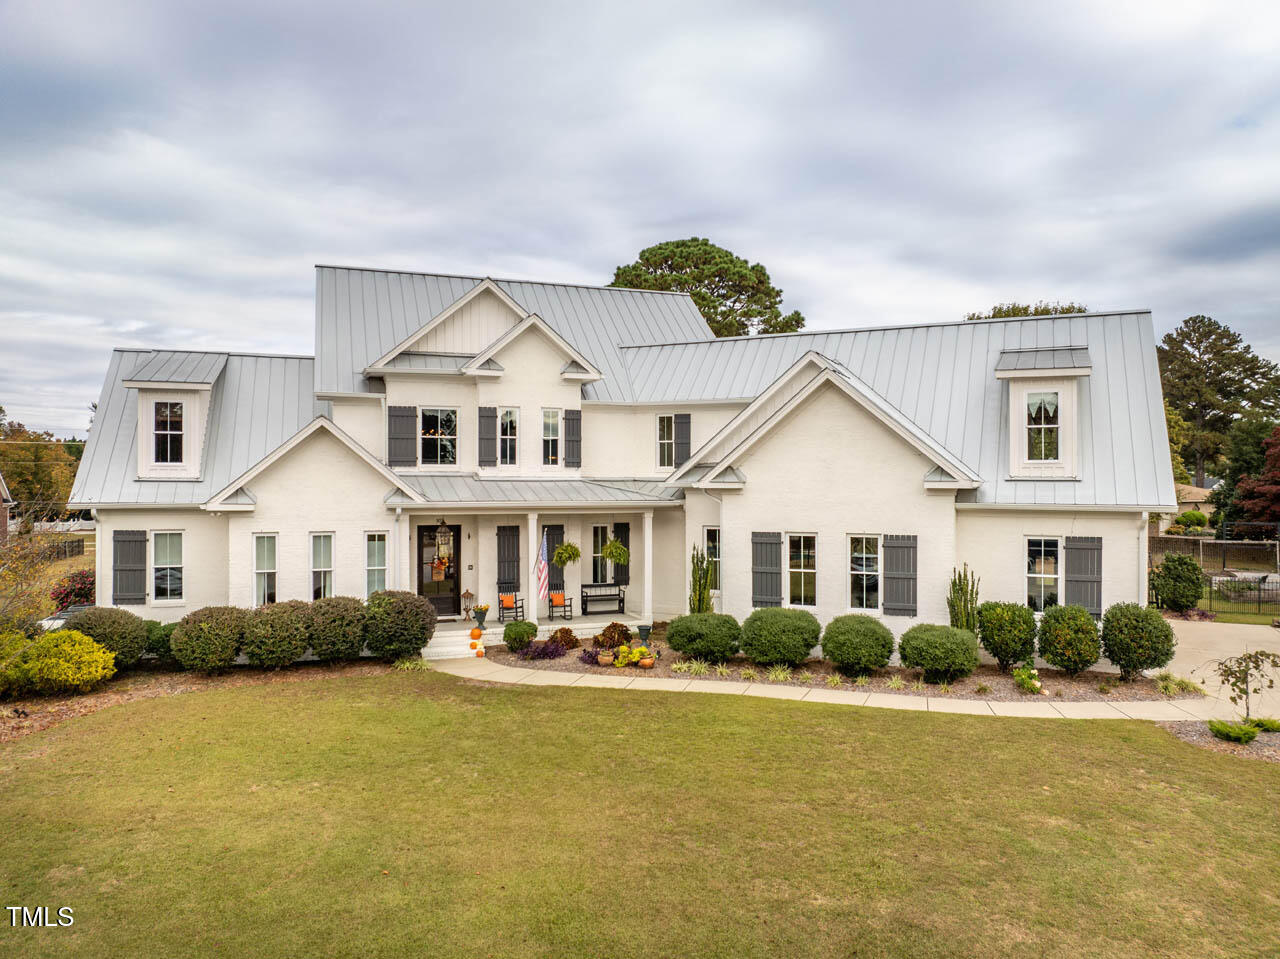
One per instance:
(480,614)
(647,663)
(604,659)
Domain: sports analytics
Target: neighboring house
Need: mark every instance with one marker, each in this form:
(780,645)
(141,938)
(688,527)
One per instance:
(1193,497)
(446,424)
(6,501)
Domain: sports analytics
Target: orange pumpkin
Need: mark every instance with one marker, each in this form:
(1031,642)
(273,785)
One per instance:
(480,652)
(474,644)
(476,633)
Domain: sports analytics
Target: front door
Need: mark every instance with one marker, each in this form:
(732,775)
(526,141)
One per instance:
(438,578)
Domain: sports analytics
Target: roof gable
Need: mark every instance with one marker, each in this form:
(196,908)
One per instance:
(484,361)
(490,324)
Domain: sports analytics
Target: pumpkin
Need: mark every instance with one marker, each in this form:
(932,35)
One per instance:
(476,633)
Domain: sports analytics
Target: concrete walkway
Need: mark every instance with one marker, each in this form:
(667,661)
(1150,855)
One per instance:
(1043,708)
(1199,643)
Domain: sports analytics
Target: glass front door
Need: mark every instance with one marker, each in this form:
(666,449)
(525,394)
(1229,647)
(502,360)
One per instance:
(438,569)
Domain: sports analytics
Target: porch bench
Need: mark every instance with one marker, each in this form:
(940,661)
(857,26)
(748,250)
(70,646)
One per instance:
(612,595)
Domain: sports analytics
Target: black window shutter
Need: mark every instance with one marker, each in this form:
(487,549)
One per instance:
(622,574)
(682,438)
(900,565)
(487,446)
(129,566)
(766,569)
(573,438)
(1084,573)
(509,557)
(555,536)
(402,436)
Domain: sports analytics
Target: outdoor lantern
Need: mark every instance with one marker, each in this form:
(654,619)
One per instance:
(442,542)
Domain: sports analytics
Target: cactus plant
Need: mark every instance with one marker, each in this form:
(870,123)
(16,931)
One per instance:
(962,600)
(700,583)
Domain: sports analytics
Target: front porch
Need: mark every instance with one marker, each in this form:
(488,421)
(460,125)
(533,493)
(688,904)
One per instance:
(453,636)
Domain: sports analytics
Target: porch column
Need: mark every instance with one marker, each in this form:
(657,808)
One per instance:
(535,542)
(647,614)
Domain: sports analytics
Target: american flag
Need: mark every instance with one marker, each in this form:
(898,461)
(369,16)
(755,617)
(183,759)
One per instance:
(541,570)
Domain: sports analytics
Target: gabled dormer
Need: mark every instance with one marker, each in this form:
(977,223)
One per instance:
(1044,402)
(173,399)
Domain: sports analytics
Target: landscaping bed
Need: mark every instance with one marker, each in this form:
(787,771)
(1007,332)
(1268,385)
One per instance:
(1266,747)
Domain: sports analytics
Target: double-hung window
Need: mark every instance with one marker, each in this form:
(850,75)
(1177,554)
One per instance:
(711,540)
(375,563)
(264,569)
(1043,573)
(666,441)
(439,436)
(1042,426)
(599,565)
(864,572)
(550,437)
(321,565)
(166,563)
(168,432)
(508,430)
(802,569)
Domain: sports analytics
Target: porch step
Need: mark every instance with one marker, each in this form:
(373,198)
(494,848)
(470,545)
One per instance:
(449,646)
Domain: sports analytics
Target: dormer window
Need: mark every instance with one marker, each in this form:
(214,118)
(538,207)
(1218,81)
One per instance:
(168,433)
(1042,427)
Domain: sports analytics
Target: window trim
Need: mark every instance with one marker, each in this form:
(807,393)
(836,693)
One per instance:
(715,590)
(273,572)
(386,541)
(514,438)
(669,443)
(787,569)
(422,464)
(181,599)
(1067,465)
(608,566)
(558,438)
(849,573)
(311,540)
(1059,576)
(1027,427)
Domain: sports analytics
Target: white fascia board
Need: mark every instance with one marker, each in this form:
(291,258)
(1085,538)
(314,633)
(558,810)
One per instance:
(80,504)
(354,396)
(532,321)
(1044,374)
(449,506)
(1068,507)
(164,385)
(484,285)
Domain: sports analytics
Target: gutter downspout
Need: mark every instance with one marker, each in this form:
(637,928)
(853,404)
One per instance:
(1143,520)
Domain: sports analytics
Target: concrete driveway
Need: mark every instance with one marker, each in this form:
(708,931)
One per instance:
(1198,643)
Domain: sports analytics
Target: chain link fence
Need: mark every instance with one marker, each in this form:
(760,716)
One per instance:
(1256,556)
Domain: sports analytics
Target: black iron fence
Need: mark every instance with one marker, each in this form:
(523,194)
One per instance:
(66,548)
(1262,556)
(1231,594)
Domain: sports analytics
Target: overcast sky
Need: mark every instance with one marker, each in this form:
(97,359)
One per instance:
(169,176)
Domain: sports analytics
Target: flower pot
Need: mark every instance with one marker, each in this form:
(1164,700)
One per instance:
(480,614)
(644,634)
(604,659)
(476,633)
(647,663)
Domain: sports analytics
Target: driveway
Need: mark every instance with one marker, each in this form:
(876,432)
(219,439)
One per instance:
(1198,643)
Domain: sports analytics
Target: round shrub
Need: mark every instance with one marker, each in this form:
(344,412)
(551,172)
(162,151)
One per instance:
(1068,638)
(1008,632)
(713,637)
(565,637)
(518,634)
(74,589)
(210,638)
(943,652)
(276,635)
(335,628)
(398,624)
(1179,582)
(1136,638)
(857,644)
(158,636)
(63,661)
(115,629)
(1192,517)
(773,636)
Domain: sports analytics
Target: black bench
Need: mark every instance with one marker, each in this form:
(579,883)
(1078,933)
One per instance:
(611,594)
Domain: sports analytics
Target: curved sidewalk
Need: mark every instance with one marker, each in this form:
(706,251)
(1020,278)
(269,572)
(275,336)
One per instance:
(1174,709)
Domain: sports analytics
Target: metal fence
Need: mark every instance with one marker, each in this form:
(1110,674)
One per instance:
(1226,594)
(66,548)
(1262,556)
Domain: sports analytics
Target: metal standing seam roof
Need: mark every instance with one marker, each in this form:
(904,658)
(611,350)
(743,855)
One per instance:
(461,489)
(437,362)
(1059,358)
(361,314)
(259,402)
(178,366)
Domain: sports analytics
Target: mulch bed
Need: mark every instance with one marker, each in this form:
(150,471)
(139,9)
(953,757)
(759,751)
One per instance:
(1085,687)
(1266,747)
(22,717)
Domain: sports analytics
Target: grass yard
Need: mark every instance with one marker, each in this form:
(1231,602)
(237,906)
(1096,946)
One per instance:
(417,814)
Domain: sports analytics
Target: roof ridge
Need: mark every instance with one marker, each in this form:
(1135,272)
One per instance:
(165,349)
(496,279)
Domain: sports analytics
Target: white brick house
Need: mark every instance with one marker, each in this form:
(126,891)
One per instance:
(446,423)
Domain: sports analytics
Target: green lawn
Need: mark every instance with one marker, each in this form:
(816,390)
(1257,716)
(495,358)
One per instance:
(415,814)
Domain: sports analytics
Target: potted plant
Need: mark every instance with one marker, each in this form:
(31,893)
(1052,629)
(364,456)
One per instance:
(616,553)
(646,658)
(604,657)
(565,554)
(481,612)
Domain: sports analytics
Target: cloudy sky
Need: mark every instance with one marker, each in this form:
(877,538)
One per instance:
(170,173)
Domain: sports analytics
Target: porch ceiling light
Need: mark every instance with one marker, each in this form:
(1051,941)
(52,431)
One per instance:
(442,538)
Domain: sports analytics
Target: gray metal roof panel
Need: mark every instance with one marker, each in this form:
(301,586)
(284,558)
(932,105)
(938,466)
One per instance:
(465,488)
(178,366)
(1058,358)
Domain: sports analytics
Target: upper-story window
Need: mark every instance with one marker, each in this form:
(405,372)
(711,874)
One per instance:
(1042,427)
(1043,422)
(666,441)
(168,432)
(550,437)
(508,430)
(439,436)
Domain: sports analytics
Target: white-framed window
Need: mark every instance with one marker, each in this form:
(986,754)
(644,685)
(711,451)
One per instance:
(599,565)
(439,444)
(168,432)
(508,436)
(666,441)
(166,566)
(711,545)
(550,437)
(1043,413)
(375,563)
(864,572)
(1044,572)
(321,565)
(264,568)
(802,569)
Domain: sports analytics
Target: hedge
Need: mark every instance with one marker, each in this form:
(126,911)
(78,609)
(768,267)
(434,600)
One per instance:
(158,636)
(276,635)
(775,635)
(856,644)
(944,653)
(1008,632)
(335,628)
(713,637)
(209,639)
(1068,638)
(115,629)
(1136,638)
(63,661)
(398,624)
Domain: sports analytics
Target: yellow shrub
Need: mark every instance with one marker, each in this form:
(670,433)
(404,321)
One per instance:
(63,661)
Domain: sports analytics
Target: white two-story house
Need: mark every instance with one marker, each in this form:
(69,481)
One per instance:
(447,424)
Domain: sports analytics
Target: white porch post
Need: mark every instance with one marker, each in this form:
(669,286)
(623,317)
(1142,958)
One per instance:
(647,614)
(535,541)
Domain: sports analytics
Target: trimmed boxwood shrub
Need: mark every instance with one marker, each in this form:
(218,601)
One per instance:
(158,636)
(1008,632)
(1136,638)
(518,634)
(209,639)
(335,628)
(115,629)
(276,635)
(398,624)
(944,653)
(775,635)
(1179,582)
(1192,517)
(713,637)
(1068,638)
(63,661)
(857,644)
